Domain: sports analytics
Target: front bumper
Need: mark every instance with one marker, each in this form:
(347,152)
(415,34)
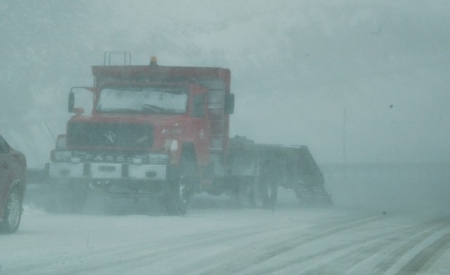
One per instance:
(108,171)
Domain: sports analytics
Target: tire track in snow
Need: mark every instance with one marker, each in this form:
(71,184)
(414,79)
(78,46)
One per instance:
(361,259)
(95,260)
(217,240)
(126,251)
(238,259)
(391,257)
(359,249)
(344,263)
(426,257)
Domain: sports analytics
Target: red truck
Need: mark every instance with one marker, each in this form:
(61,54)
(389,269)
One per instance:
(163,131)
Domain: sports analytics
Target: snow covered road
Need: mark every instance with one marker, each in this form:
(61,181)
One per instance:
(214,238)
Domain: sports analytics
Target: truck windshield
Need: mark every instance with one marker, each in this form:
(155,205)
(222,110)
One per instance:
(154,100)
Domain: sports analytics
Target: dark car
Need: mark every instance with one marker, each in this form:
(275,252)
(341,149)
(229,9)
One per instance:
(12,187)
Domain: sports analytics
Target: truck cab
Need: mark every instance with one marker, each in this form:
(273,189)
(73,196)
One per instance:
(153,131)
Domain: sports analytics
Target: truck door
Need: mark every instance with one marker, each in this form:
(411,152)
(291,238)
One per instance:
(201,128)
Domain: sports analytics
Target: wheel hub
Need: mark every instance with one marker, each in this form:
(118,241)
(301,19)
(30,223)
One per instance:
(13,208)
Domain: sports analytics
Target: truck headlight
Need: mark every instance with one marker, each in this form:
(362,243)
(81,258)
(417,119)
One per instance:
(137,161)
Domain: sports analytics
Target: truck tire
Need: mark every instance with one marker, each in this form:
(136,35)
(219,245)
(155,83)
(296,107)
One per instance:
(267,186)
(177,200)
(181,188)
(12,213)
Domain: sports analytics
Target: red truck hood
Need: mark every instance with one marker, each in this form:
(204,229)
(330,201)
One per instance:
(157,120)
(120,132)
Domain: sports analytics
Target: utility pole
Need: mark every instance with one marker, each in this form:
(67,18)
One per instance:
(344,137)
(344,143)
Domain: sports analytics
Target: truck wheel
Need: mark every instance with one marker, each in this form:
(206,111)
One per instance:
(12,213)
(178,198)
(181,189)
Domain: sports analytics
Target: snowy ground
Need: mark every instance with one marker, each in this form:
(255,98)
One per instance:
(216,238)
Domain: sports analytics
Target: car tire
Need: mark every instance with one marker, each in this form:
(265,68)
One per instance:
(13,212)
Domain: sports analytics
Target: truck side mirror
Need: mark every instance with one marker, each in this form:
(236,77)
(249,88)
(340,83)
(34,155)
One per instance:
(229,104)
(71,102)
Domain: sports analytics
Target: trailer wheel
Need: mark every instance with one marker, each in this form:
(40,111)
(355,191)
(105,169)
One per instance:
(181,188)
(268,186)
(12,213)
(268,191)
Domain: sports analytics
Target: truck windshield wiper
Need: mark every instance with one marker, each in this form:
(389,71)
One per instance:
(117,110)
(153,108)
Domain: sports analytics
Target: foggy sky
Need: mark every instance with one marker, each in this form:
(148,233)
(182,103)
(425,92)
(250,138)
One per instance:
(296,66)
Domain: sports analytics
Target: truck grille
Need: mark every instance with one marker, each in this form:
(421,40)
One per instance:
(102,135)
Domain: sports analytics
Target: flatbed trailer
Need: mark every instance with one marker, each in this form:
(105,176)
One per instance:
(260,169)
